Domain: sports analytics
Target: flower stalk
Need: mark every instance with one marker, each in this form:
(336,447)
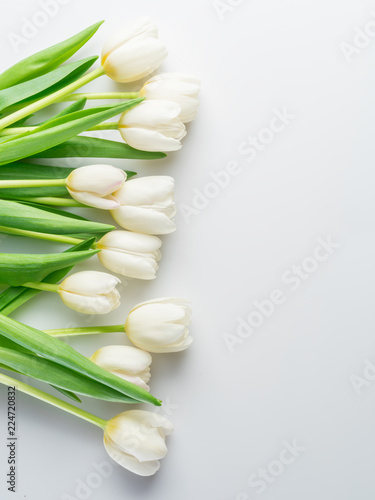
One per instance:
(52,400)
(51,99)
(100,96)
(86,330)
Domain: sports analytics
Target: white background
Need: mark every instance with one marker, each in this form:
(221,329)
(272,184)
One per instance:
(292,379)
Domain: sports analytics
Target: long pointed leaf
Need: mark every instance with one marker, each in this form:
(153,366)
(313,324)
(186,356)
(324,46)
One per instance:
(16,269)
(58,376)
(57,131)
(14,297)
(32,218)
(45,84)
(55,350)
(93,147)
(46,60)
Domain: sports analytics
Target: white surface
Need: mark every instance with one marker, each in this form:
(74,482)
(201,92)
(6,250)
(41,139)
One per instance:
(233,412)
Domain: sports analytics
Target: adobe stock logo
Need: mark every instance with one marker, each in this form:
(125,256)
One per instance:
(260,480)
(248,149)
(39,19)
(292,279)
(362,38)
(223,7)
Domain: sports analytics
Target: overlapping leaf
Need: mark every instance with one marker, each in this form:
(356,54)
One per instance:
(14,297)
(57,351)
(46,60)
(59,130)
(16,269)
(27,216)
(93,147)
(56,375)
(45,84)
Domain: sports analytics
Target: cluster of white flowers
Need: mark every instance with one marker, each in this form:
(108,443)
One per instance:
(144,208)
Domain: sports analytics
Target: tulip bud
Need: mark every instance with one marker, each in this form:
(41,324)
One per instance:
(147,205)
(153,126)
(135,439)
(130,254)
(90,292)
(126,362)
(133,52)
(179,88)
(160,325)
(93,185)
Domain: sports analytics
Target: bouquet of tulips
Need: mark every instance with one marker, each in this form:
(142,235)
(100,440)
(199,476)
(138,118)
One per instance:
(33,198)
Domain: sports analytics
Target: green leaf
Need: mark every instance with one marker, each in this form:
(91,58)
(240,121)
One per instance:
(16,269)
(14,297)
(46,84)
(46,60)
(21,171)
(56,131)
(68,394)
(55,350)
(57,375)
(75,106)
(92,147)
(26,216)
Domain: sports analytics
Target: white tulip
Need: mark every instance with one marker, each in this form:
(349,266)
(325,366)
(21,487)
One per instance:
(133,52)
(147,205)
(130,254)
(127,362)
(135,439)
(93,185)
(153,126)
(160,325)
(90,292)
(180,88)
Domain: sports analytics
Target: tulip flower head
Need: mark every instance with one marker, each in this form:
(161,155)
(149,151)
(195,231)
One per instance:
(135,439)
(133,52)
(153,126)
(90,292)
(147,205)
(127,362)
(130,254)
(179,88)
(160,325)
(93,185)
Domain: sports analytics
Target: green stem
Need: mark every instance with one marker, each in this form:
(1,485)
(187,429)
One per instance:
(16,130)
(45,287)
(105,126)
(52,400)
(55,201)
(20,130)
(46,101)
(40,236)
(24,183)
(101,95)
(86,330)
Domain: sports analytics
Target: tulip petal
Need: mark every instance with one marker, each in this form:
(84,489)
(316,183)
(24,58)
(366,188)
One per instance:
(135,59)
(100,179)
(149,140)
(140,27)
(143,220)
(92,200)
(133,266)
(130,242)
(89,283)
(100,304)
(120,357)
(148,468)
(146,191)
